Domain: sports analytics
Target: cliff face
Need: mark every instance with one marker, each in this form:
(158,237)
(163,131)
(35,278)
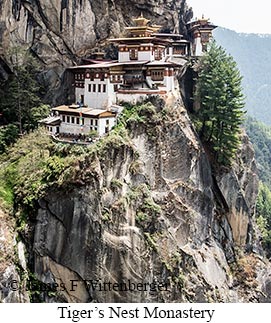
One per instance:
(142,205)
(59,33)
(148,209)
(12,255)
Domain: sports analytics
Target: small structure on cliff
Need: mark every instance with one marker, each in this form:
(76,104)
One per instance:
(147,64)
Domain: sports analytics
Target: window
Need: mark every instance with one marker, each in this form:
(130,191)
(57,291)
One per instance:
(94,87)
(102,77)
(104,87)
(90,128)
(92,77)
(77,120)
(83,121)
(99,87)
(107,122)
(115,88)
(204,47)
(72,119)
(63,118)
(91,122)
(89,88)
(133,54)
(96,122)
(68,119)
(157,75)
(157,54)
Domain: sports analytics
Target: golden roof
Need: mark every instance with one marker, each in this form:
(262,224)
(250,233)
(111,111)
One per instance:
(141,21)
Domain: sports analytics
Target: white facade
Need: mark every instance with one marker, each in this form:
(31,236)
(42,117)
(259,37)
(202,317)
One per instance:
(123,57)
(101,125)
(98,94)
(198,46)
(105,125)
(145,55)
(53,130)
(142,52)
(169,80)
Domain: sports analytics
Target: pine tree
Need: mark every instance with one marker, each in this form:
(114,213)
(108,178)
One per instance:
(21,90)
(221,113)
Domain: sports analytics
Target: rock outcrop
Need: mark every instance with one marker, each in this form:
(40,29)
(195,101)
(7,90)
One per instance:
(153,210)
(12,257)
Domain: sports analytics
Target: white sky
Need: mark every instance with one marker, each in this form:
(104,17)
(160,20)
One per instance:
(248,16)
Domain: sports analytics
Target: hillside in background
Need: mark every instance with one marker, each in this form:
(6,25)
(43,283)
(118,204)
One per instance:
(260,136)
(252,53)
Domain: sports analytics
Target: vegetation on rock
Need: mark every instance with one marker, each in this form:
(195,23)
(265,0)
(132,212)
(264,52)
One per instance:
(218,89)
(20,94)
(8,135)
(252,54)
(263,212)
(31,166)
(260,136)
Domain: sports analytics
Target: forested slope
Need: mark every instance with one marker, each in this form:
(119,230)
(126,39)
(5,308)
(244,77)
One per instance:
(252,53)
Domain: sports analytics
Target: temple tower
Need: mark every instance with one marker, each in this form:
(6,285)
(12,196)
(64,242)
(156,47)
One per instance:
(200,32)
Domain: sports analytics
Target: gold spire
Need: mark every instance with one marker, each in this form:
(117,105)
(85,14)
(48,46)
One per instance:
(141,21)
(203,19)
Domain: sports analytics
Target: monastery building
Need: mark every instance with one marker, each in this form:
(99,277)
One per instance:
(147,64)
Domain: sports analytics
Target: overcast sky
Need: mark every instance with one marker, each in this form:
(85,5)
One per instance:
(240,15)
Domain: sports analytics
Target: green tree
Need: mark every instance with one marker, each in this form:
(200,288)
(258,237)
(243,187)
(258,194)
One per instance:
(260,136)
(263,213)
(37,113)
(8,135)
(219,92)
(21,90)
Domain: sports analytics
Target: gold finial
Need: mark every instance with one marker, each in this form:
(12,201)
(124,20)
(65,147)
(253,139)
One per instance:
(141,21)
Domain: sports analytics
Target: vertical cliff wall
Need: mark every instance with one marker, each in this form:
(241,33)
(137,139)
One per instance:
(144,205)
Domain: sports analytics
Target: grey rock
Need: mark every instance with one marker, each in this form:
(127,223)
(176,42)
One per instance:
(92,233)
